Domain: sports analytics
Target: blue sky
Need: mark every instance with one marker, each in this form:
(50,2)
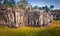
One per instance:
(41,3)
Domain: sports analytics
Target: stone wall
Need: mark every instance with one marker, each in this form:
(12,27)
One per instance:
(17,18)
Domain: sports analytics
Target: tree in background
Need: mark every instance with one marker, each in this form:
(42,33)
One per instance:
(9,3)
(35,7)
(12,3)
(0,2)
(29,7)
(47,8)
(23,3)
(51,7)
(6,3)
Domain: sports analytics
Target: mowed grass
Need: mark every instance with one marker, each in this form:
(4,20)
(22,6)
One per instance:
(32,31)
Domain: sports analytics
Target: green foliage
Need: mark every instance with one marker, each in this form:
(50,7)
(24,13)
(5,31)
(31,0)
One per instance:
(47,8)
(8,3)
(23,4)
(5,3)
(11,3)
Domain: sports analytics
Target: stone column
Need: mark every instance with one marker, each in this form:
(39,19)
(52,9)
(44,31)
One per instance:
(59,16)
(41,20)
(17,18)
(55,17)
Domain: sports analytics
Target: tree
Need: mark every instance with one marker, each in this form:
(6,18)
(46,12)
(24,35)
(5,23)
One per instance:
(23,3)
(5,3)
(51,7)
(0,2)
(12,3)
(47,8)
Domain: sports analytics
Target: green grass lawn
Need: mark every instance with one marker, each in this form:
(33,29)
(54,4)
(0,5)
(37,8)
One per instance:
(32,31)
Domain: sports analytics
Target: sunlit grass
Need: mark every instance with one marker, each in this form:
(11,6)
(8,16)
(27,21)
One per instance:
(56,22)
(31,31)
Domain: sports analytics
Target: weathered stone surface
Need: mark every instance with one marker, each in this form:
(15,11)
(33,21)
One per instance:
(17,18)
